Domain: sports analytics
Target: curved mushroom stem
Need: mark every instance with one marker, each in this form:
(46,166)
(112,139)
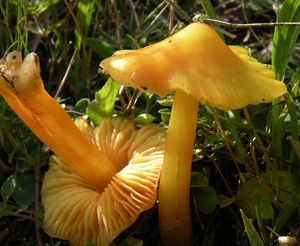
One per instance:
(24,92)
(174,189)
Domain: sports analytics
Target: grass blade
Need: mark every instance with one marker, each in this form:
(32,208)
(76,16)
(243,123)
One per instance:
(85,13)
(285,213)
(240,150)
(284,41)
(209,9)
(285,37)
(296,146)
(252,234)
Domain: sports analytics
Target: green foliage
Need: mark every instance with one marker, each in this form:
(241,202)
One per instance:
(165,114)
(284,40)
(199,180)
(36,8)
(8,187)
(206,199)
(101,46)
(144,119)
(85,11)
(104,102)
(255,195)
(24,191)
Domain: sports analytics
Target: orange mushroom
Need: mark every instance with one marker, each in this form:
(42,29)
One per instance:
(100,179)
(199,67)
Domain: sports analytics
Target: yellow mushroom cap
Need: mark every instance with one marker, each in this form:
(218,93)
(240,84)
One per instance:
(76,212)
(196,61)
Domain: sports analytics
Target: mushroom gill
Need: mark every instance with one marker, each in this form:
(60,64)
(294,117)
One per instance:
(78,213)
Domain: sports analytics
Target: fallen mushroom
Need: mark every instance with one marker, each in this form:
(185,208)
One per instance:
(101,179)
(199,67)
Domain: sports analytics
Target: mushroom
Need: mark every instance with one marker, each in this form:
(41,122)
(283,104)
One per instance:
(100,179)
(199,67)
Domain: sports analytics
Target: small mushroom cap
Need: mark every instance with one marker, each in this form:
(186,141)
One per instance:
(76,212)
(196,61)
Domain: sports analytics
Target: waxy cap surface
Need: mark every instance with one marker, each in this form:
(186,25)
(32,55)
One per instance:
(196,61)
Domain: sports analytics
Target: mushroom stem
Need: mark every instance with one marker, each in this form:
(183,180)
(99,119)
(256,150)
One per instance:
(174,188)
(25,94)
(68,142)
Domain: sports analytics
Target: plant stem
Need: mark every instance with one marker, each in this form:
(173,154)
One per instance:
(209,9)
(179,10)
(247,25)
(174,189)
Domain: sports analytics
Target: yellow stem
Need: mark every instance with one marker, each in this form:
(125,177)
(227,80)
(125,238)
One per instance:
(68,141)
(174,189)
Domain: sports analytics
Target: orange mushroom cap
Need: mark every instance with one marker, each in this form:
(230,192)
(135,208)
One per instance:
(196,61)
(78,213)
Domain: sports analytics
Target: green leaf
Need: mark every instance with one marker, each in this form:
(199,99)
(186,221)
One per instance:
(144,119)
(100,46)
(284,183)
(8,187)
(252,234)
(24,192)
(206,199)
(256,194)
(199,179)
(82,104)
(166,101)
(285,37)
(165,114)
(37,7)
(85,11)
(104,102)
